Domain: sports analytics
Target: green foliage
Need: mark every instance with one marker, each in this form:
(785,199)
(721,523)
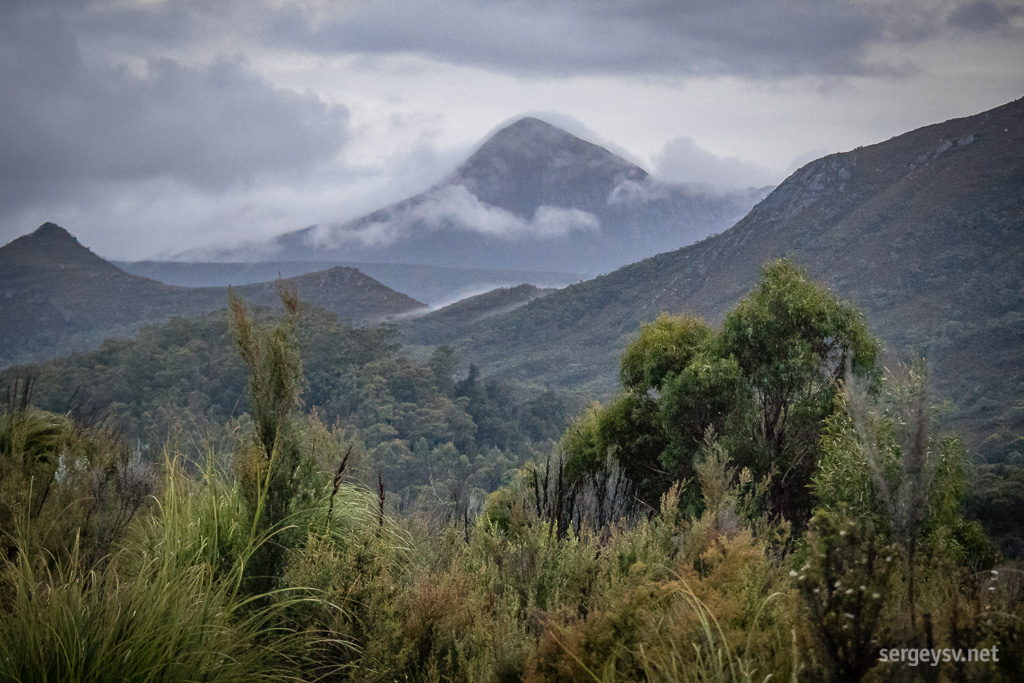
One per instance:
(765,384)
(275,368)
(157,620)
(188,379)
(846,582)
(706,394)
(665,347)
(366,596)
(271,469)
(882,461)
(165,604)
(382,556)
(793,341)
(995,499)
(64,487)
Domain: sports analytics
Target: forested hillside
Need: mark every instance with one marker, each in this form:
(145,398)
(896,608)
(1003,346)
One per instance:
(59,297)
(454,319)
(185,378)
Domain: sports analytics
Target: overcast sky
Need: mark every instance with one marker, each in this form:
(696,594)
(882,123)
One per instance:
(149,127)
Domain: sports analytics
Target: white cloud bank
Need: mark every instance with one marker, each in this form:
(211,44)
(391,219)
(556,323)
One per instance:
(455,207)
(682,160)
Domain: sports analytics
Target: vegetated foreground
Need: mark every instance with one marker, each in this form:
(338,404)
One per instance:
(760,500)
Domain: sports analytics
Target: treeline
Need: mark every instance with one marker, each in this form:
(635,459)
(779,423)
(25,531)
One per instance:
(761,501)
(418,424)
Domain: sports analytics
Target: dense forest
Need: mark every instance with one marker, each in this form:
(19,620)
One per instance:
(275,495)
(419,424)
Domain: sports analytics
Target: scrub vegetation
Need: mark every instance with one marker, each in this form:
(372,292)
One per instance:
(282,497)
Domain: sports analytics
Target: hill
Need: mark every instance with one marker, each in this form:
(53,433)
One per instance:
(430,284)
(59,297)
(430,328)
(924,232)
(531,197)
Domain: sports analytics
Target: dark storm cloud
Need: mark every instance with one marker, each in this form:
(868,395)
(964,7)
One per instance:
(753,38)
(68,121)
(750,38)
(984,15)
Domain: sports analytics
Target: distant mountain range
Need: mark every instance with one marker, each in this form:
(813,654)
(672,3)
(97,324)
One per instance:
(430,284)
(925,232)
(56,297)
(532,197)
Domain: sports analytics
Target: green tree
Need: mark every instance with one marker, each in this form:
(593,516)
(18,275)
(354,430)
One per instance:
(793,341)
(443,362)
(764,384)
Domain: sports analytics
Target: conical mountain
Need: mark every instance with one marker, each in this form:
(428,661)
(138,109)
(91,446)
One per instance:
(530,164)
(49,245)
(532,197)
(925,232)
(59,296)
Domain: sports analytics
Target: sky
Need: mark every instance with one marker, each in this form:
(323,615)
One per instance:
(148,128)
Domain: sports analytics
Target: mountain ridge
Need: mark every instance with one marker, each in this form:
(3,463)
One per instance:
(432,285)
(924,231)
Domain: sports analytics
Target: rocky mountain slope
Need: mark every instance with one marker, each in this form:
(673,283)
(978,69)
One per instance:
(531,197)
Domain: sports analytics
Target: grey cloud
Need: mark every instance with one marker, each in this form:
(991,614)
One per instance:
(753,38)
(759,37)
(66,119)
(682,160)
(984,15)
(629,192)
(455,207)
(756,38)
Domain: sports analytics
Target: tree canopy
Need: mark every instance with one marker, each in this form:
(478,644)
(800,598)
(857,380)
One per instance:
(762,385)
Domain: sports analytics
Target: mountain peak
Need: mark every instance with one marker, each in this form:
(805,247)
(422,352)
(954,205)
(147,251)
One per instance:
(532,136)
(530,163)
(47,246)
(528,126)
(52,231)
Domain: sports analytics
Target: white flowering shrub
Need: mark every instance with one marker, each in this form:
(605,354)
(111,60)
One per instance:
(845,576)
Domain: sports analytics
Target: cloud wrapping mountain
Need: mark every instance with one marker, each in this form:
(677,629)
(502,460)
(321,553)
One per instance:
(159,125)
(532,196)
(454,207)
